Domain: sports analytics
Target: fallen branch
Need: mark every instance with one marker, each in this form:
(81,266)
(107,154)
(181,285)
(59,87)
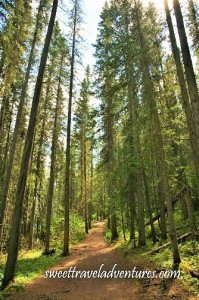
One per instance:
(49,252)
(180,239)
(174,200)
(194,274)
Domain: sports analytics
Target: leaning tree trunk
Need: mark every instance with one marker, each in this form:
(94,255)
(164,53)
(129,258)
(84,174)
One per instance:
(188,65)
(185,97)
(194,28)
(15,232)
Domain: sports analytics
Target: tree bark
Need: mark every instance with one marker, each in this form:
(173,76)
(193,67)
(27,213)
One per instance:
(68,143)
(52,165)
(153,234)
(188,65)
(149,91)
(185,97)
(190,210)
(38,163)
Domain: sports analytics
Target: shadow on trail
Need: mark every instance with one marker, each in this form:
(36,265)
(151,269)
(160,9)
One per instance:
(89,255)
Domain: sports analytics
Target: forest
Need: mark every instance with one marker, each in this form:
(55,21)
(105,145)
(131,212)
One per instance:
(118,141)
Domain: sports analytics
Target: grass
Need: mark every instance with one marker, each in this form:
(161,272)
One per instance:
(189,260)
(30,265)
(164,259)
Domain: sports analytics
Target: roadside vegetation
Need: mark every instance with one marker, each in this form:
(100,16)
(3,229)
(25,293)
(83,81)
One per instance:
(32,263)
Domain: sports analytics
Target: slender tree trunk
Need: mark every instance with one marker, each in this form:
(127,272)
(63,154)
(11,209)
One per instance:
(52,166)
(193,11)
(161,200)
(190,210)
(153,234)
(2,113)
(4,151)
(91,192)
(68,143)
(38,164)
(109,216)
(114,233)
(6,119)
(150,93)
(138,172)
(185,97)
(123,226)
(166,187)
(85,185)
(15,232)
(136,138)
(132,207)
(25,212)
(113,217)
(188,65)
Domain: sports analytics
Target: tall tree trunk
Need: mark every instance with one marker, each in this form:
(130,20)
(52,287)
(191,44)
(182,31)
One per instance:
(188,65)
(190,210)
(135,136)
(185,97)
(68,143)
(85,185)
(150,93)
(15,232)
(113,217)
(149,206)
(194,28)
(161,199)
(38,163)
(138,172)
(52,166)
(90,205)
(133,215)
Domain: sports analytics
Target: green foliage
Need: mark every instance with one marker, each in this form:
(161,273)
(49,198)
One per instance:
(77,232)
(107,235)
(32,263)
(190,260)
(29,266)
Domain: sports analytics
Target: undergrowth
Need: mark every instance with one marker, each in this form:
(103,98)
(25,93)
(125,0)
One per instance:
(29,266)
(164,260)
(32,263)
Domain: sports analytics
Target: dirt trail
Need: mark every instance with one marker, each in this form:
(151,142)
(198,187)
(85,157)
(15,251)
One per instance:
(90,255)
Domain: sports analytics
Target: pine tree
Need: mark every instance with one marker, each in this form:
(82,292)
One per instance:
(188,65)
(68,141)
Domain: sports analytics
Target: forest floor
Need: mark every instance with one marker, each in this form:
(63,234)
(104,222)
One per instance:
(89,255)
